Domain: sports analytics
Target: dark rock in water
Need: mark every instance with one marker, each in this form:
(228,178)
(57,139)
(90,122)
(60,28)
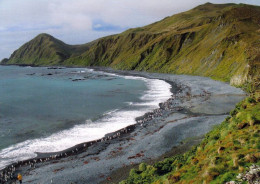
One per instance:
(74,80)
(31,74)
(102,76)
(46,74)
(110,78)
(55,68)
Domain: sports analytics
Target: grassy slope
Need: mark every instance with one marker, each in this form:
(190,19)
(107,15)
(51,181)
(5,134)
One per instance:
(218,41)
(224,152)
(44,49)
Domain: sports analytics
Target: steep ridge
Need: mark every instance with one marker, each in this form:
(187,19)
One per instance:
(220,41)
(44,50)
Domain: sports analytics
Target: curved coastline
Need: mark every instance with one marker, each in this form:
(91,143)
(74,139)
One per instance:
(166,108)
(80,133)
(81,147)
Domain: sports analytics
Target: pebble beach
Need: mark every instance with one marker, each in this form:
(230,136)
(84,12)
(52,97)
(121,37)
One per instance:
(196,105)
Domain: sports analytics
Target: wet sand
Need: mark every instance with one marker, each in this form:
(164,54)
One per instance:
(197,104)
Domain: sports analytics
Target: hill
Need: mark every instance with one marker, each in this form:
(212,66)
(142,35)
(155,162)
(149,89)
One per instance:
(44,49)
(220,41)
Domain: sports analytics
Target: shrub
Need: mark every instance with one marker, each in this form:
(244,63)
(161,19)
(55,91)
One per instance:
(228,176)
(163,167)
(132,172)
(227,118)
(142,167)
(250,100)
(233,112)
(216,136)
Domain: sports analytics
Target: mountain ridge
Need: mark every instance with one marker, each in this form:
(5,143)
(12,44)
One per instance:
(213,40)
(42,48)
(217,41)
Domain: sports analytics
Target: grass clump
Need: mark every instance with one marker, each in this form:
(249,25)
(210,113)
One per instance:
(227,150)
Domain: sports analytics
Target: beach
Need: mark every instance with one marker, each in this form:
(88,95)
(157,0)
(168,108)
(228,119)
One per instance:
(197,104)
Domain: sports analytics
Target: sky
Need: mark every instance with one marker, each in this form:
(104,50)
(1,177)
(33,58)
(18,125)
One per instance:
(81,21)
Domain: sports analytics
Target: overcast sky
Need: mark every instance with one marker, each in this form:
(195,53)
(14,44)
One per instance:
(81,21)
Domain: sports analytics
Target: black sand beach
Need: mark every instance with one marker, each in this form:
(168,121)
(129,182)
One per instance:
(197,104)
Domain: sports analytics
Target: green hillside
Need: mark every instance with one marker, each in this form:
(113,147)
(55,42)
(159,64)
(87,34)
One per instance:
(220,41)
(44,50)
(225,152)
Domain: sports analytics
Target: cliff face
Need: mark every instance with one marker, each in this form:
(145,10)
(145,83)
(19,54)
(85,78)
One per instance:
(218,41)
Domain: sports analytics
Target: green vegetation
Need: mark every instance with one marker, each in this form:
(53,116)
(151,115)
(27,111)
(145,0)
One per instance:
(220,41)
(225,151)
(44,50)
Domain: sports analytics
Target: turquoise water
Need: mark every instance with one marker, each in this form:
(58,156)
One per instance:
(45,110)
(32,106)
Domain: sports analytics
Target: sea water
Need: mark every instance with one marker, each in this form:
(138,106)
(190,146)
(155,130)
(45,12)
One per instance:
(51,109)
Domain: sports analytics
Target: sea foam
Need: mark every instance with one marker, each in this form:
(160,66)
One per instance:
(158,91)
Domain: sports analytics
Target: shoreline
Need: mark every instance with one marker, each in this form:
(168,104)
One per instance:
(79,148)
(122,134)
(123,172)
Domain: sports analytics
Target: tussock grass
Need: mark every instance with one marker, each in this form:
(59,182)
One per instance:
(225,151)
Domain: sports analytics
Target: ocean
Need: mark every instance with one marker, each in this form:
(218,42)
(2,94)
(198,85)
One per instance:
(51,109)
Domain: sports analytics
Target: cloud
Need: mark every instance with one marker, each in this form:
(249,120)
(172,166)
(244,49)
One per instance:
(100,25)
(69,16)
(81,21)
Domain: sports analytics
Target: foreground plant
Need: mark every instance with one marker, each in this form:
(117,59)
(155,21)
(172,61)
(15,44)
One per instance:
(229,149)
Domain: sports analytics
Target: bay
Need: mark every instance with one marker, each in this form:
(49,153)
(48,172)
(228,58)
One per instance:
(50,109)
